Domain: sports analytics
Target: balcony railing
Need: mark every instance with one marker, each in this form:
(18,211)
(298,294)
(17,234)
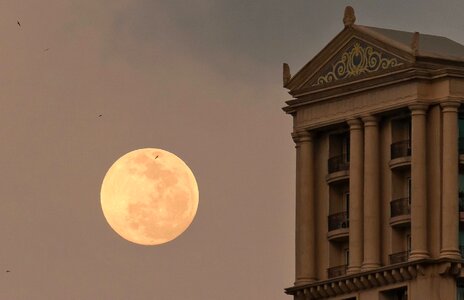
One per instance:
(400,149)
(399,257)
(338,163)
(338,221)
(336,271)
(400,207)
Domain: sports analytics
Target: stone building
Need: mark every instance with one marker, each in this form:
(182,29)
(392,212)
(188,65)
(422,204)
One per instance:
(380,166)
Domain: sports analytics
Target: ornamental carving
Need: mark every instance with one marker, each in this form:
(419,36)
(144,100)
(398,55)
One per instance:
(357,60)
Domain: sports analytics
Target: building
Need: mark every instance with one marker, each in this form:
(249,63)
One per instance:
(378,131)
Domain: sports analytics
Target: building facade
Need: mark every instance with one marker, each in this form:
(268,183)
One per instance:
(379,138)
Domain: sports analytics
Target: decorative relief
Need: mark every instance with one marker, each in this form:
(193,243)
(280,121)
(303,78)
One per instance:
(357,60)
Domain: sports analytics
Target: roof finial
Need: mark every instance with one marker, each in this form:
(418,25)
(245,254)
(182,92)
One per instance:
(349,18)
(286,74)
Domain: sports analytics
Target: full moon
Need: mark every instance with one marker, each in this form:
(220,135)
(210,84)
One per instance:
(149,196)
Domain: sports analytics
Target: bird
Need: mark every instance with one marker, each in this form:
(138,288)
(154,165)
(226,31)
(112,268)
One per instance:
(19,23)
(46,49)
(100,116)
(156,157)
(8,271)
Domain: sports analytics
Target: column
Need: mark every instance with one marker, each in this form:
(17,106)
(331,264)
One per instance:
(356,196)
(418,183)
(305,247)
(450,206)
(371,194)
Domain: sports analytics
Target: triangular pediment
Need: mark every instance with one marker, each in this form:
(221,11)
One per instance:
(351,56)
(358,59)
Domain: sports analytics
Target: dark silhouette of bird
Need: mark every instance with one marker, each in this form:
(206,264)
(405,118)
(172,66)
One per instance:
(47,49)
(8,271)
(156,157)
(100,116)
(19,23)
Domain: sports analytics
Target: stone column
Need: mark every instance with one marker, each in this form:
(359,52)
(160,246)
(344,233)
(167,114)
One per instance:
(419,248)
(356,196)
(371,194)
(305,247)
(450,204)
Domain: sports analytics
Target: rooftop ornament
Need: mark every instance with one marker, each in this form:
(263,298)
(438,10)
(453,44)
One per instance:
(349,18)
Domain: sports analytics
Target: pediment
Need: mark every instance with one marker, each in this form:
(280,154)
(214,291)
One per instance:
(350,57)
(358,59)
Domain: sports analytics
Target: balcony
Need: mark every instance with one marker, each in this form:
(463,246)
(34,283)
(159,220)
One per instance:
(400,212)
(337,271)
(400,154)
(399,257)
(339,168)
(338,226)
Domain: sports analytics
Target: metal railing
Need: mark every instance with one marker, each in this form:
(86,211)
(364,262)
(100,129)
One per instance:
(399,257)
(400,149)
(337,271)
(338,221)
(338,163)
(400,207)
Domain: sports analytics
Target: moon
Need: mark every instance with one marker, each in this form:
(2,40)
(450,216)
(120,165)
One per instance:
(149,196)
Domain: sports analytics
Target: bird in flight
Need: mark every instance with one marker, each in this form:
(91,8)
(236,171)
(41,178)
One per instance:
(100,116)
(47,49)
(156,157)
(19,23)
(8,271)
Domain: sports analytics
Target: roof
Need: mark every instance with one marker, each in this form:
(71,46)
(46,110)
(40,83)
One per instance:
(360,56)
(429,45)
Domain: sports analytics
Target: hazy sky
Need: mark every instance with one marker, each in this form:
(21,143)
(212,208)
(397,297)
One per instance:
(201,79)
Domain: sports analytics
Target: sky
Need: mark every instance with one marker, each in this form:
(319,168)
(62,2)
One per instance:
(201,79)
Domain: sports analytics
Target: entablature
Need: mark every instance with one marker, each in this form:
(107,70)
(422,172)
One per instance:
(389,275)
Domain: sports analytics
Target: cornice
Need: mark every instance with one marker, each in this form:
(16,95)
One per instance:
(402,76)
(379,277)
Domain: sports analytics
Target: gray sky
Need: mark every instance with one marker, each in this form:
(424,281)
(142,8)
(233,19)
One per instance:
(201,79)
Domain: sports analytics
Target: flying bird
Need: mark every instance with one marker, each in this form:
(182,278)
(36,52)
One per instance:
(47,49)
(156,157)
(19,23)
(8,271)
(100,116)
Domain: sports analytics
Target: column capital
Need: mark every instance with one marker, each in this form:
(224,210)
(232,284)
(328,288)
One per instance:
(370,120)
(450,106)
(302,136)
(418,108)
(354,123)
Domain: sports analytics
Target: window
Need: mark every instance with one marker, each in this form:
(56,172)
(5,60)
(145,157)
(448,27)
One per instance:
(395,294)
(346,147)
(408,243)
(347,205)
(461,133)
(346,254)
(461,125)
(460,289)
(409,191)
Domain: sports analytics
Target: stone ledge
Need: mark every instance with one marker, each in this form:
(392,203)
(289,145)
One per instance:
(400,162)
(338,176)
(382,276)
